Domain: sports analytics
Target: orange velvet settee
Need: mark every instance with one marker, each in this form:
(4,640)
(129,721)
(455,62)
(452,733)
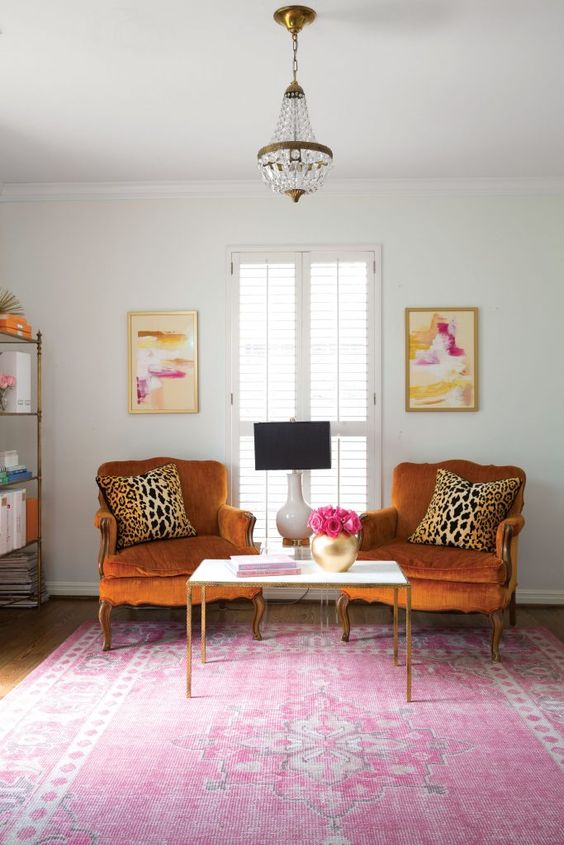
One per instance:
(443,578)
(155,572)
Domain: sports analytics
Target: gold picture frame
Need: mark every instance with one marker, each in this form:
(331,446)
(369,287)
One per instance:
(441,359)
(163,362)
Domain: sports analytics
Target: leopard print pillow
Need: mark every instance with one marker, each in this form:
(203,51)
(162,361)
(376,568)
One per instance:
(463,514)
(146,507)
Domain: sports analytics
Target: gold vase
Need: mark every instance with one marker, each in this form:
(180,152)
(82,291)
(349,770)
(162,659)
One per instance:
(334,554)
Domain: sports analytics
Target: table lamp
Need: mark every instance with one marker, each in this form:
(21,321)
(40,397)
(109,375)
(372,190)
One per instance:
(296,446)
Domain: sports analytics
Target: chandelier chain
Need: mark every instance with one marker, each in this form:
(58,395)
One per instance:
(294,163)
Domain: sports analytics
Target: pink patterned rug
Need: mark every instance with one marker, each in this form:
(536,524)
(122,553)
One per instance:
(300,739)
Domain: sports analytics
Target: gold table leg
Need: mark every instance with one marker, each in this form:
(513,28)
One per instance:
(203,623)
(408,638)
(189,641)
(395,626)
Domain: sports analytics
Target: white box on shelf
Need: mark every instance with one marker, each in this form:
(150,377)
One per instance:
(9,458)
(17,364)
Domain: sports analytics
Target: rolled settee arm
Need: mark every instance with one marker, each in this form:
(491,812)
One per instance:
(236,525)
(107,525)
(378,527)
(506,545)
(516,523)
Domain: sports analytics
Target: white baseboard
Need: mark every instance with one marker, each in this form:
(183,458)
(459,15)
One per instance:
(90,588)
(526,596)
(72,588)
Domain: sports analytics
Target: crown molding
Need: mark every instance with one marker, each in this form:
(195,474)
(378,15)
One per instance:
(65,191)
(254,189)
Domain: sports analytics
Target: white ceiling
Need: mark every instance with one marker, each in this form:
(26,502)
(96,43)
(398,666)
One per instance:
(147,90)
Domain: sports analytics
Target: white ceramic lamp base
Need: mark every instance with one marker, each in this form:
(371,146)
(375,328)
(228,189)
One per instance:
(291,519)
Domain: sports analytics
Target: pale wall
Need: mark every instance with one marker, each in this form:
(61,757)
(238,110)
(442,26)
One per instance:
(80,266)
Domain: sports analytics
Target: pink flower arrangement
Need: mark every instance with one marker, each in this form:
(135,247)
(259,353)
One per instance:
(334,521)
(6,383)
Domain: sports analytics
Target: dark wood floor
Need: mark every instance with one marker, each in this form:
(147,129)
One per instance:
(28,636)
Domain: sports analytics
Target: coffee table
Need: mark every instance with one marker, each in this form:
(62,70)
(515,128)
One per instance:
(363,573)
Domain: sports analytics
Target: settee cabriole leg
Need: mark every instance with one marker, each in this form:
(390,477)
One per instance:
(343,611)
(496,618)
(104,613)
(259,604)
(513,609)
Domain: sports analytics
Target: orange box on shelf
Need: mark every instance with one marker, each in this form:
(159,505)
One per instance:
(31,520)
(15,324)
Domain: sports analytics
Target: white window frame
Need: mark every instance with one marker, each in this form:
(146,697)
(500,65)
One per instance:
(374,443)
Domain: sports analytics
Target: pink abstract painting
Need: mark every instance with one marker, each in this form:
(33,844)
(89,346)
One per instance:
(163,374)
(441,359)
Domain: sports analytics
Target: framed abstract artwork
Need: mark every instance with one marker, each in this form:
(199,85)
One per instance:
(163,362)
(441,359)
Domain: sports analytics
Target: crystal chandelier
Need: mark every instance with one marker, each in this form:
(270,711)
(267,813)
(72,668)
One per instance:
(294,163)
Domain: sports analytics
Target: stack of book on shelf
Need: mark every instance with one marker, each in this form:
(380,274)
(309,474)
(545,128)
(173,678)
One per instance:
(15,474)
(15,324)
(13,520)
(259,566)
(18,520)
(11,470)
(18,579)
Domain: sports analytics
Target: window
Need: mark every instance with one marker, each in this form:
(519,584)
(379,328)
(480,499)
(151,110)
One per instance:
(305,343)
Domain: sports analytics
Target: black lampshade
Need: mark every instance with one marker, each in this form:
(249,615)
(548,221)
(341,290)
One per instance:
(293,445)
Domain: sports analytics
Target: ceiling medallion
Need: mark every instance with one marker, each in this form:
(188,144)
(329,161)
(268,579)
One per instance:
(294,163)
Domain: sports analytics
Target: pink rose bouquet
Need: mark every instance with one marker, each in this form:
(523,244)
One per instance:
(6,383)
(333,521)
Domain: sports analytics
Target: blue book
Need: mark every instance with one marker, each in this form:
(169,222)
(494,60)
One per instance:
(10,477)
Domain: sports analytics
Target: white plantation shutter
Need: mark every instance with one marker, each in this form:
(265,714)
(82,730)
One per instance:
(347,482)
(267,340)
(339,340)
(303,345)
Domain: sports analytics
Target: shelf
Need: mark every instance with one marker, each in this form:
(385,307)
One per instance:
(21,548)
(21,601)
(9,338)
(16,338)
(14,483)
(29,602)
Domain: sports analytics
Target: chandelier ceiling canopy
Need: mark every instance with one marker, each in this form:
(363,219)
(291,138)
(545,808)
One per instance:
(294,163)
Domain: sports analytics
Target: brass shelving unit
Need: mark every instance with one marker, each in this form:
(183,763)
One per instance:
(7,338)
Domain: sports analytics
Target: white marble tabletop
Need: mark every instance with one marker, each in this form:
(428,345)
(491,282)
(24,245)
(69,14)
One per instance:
(363,573)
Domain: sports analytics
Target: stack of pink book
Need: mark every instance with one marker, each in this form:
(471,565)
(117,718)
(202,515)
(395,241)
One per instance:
(253,566)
